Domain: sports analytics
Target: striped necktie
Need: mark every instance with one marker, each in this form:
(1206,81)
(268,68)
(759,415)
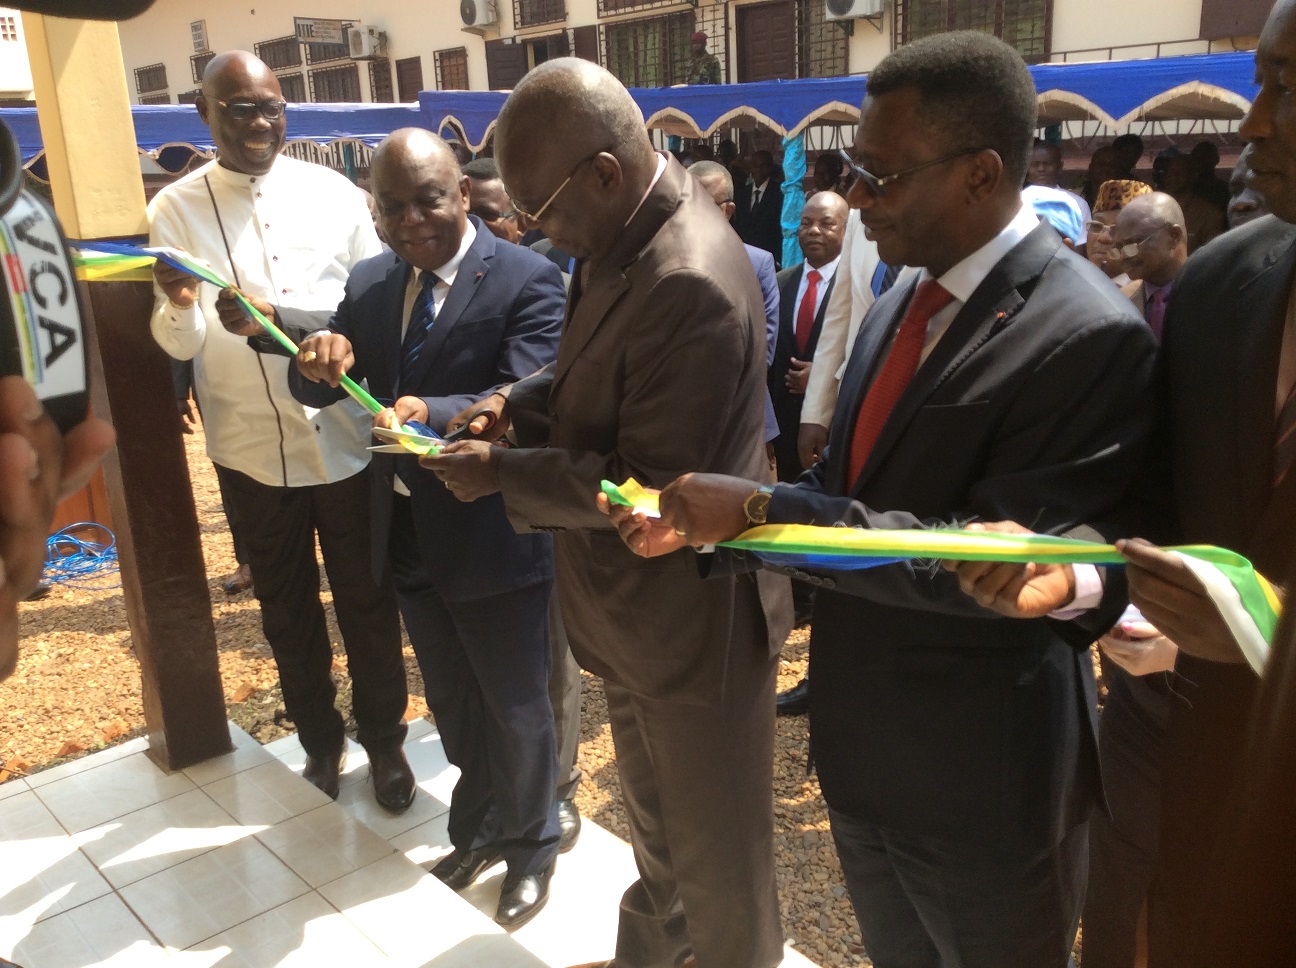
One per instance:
(422,316)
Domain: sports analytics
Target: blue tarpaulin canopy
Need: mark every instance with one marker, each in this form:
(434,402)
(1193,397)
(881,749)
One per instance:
(1114,93)
(159,126)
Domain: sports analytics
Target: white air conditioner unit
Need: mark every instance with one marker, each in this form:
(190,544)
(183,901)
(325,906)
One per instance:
(366,43)
(852,9)
(478,13)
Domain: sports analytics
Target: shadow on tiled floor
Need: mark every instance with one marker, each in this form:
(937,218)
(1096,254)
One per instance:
(238,862)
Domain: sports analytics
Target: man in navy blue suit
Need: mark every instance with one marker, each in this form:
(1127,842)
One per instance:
(450,314)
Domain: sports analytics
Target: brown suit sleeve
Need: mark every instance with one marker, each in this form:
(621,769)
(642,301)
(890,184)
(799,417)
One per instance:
(690,400)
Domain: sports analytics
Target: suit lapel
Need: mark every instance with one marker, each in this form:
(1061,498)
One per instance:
(991,308)
(590,304)
(392,323)
(472,270)
(1259,347)
(813,342)
(787,313)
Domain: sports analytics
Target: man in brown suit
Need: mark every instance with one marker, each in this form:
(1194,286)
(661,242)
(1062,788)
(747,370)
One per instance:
(661,369)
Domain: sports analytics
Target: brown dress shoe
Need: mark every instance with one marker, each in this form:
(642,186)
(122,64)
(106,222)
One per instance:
(393,780)
(324,772)
(238,581)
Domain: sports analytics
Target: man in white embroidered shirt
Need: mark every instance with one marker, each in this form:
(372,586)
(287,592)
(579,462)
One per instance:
(287,231)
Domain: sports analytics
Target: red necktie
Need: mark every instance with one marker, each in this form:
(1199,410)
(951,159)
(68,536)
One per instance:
(898,369)
(806,312)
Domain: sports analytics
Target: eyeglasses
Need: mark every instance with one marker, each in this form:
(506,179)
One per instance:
(1130,249)
(271,109)
(490,215)
(1096,228)
(876,184)
(535,217)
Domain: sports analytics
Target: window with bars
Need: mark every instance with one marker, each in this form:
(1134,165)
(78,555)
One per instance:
(451,69)
(409,76)
(199,64)
(652,52)
(280,53)
(155,99)
(8,28)
(293,87)
(332,84)
(380,81)
(608,7)
(151,78)
(1026,25)
(323,53)
(530,13)
(823,49)
(188,97)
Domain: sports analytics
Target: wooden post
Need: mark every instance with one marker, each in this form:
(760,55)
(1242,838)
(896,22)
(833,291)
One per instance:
(89,139)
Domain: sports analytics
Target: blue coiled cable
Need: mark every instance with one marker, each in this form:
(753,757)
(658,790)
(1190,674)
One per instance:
(72,557)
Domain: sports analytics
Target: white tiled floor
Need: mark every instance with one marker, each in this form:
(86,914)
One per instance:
(239,863)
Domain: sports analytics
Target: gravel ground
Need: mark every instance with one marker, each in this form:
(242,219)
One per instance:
(77,690)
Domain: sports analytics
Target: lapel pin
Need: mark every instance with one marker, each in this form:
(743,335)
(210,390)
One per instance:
(478,276)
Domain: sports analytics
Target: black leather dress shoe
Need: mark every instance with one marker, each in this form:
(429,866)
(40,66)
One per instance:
(393,780)
(794,702)
(324,772)
(460,868)
(522,898)
(569,824)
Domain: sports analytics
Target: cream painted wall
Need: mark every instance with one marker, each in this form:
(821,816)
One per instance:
(419,27)
(1084,24)
(15,71)
(161,35)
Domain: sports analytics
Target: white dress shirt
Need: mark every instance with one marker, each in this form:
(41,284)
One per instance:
(846,310)
(446,274)
(826,273)
(294,234)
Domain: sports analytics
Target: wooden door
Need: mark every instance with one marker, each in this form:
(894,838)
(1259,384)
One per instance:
(767,41)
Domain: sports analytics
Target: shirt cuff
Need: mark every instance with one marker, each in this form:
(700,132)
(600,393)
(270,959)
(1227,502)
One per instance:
(1088,593)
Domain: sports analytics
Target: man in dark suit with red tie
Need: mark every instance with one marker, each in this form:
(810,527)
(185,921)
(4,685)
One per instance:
(803,299)
(956,750)
(1222,470)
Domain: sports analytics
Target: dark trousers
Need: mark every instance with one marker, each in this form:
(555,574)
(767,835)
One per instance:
(231,518)
(1123,847)
(280,525)
(923,902)
(696,783)
(565,697)
(485,665)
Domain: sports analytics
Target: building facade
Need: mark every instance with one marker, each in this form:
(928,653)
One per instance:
(489,44)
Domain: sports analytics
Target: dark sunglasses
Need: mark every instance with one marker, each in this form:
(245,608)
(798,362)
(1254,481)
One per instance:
(271,109)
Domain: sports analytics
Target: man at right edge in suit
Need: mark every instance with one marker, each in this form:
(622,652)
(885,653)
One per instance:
(955,748)
(661,368)
(1221,473)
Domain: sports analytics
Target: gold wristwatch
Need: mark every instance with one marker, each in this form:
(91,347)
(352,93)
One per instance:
(756,507)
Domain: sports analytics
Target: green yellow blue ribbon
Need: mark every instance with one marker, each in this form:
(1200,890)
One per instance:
(122,262)
(1246,599)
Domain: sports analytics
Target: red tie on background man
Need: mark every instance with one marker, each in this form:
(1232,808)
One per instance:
(806,312)
(900,366)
